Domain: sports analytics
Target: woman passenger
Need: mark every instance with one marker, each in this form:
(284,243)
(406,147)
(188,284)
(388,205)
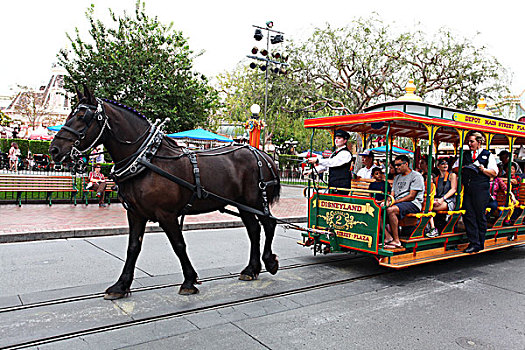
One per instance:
(445,197)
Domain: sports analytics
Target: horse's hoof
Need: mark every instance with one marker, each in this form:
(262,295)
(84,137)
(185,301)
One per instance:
(245,277)
(115,296)
(188,291)
(272,264)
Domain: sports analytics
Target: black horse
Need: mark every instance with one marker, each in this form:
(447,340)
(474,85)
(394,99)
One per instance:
(161,181)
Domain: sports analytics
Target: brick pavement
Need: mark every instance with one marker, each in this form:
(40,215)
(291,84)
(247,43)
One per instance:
(39,221)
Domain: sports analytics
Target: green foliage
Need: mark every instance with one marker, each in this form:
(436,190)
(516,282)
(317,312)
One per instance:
(142,63)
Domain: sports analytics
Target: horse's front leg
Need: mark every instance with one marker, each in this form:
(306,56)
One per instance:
(251,272)
(172,228)
(120,289)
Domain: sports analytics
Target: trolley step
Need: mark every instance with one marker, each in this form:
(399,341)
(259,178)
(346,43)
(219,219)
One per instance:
(421,257)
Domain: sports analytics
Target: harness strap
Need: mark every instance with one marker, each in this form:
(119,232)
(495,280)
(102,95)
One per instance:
(192,187)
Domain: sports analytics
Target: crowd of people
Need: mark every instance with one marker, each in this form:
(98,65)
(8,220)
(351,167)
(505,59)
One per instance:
(482,179)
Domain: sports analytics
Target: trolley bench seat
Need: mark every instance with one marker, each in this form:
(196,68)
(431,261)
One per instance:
(37,183)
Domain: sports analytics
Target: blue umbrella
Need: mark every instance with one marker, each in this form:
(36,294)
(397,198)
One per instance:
(55,128)
(199,134)
(382,149)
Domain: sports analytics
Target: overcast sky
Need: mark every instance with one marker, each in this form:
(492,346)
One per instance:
(33,31)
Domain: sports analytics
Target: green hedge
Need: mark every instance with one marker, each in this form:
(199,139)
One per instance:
(289,161)
(36,146)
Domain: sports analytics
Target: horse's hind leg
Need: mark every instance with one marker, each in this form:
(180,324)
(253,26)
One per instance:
(120,289)
(271,262)
(251,272)
(174,233)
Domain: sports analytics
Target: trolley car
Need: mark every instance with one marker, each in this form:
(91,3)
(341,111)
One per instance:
(353,222)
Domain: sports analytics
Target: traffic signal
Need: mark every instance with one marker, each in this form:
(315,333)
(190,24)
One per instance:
(258,35)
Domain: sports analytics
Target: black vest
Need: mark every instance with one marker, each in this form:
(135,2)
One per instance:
(472,178)
(339,176)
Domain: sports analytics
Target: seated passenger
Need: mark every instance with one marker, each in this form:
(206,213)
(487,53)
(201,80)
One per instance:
(365,173)
(445,198)
(496,185)
(407,191)
(378,184)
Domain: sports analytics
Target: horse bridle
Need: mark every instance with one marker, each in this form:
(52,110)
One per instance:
(92,113)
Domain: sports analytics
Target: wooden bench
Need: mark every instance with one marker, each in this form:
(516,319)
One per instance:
(38,183)
(361,184)
(86,191)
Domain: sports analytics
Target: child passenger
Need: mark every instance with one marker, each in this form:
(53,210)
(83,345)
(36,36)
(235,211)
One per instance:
(378,184)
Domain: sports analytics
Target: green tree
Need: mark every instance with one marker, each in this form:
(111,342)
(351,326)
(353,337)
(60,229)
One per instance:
(344,70)
(142,63)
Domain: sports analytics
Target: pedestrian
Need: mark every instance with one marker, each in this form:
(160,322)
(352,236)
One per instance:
(14,153)
(97,181)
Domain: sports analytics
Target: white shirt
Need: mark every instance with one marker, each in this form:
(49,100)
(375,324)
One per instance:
(339,159)
(493,165)
(365,173)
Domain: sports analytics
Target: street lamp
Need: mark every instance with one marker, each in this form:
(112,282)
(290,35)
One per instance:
(255,109)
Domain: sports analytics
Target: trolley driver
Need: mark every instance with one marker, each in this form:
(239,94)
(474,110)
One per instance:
(479,166)
(338,163)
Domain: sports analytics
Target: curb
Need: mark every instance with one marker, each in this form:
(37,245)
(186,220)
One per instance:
(120,230)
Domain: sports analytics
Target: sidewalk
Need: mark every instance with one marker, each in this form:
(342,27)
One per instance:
(33,222)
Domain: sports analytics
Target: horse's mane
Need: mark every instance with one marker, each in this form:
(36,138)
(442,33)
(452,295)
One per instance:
(121,105)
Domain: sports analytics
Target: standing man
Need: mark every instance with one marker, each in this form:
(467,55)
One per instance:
(479,166)
(338,163)
(368,161)
(407,191)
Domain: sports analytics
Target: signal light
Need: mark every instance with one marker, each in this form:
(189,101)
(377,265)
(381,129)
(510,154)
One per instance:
(255,50)
(264,52)
(253,65)
(275,70)
(276,39)
(269,24)
(285,58)
(258,34)
(276,55)
(262,67)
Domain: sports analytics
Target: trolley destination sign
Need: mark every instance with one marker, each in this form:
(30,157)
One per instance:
(494,123)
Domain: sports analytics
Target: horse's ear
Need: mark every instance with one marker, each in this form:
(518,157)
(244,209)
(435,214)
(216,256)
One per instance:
(89,96)
(80,96)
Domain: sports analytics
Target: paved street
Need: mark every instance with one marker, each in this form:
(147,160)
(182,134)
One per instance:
(476,302)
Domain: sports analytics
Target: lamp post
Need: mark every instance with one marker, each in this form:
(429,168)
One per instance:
(276,65)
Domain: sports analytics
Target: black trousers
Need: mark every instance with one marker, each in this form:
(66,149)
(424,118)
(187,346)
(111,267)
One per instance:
(475,200)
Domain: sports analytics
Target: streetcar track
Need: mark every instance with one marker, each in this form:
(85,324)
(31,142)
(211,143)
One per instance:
(171,315)
(154,287)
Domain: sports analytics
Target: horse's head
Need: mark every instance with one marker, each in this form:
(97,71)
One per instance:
(82,131)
